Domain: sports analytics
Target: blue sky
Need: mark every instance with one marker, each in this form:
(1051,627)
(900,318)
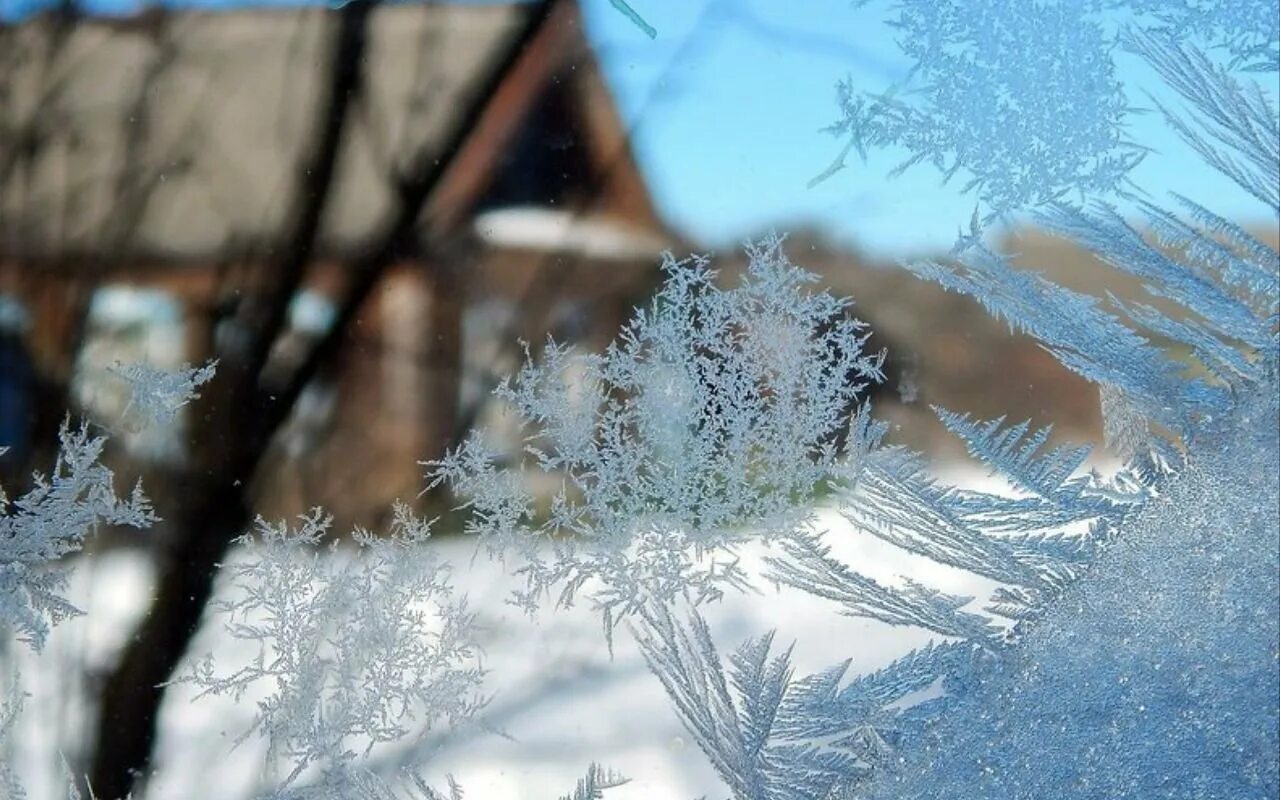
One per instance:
(726,108)
(728,127)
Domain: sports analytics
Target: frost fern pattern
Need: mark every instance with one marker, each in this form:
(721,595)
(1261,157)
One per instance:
(712,419)
(1132,647)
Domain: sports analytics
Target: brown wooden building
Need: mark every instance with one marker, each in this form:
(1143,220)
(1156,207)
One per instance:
(160,153)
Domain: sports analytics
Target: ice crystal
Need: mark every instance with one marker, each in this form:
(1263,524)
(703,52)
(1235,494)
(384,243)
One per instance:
(974,103)
(355,650)
(52,520)
(1247,29)
(1133,647)
(631,14)
(10,707)
(1157,676)
(595,783)
(158,394)
(715,410)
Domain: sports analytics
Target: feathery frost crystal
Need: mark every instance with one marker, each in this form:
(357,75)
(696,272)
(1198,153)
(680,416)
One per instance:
(1131,647)
(355,649)
(713,418)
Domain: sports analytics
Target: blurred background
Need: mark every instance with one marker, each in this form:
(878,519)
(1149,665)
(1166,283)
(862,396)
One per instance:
(361,210)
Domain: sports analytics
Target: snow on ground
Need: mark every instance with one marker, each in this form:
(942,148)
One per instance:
(560,700)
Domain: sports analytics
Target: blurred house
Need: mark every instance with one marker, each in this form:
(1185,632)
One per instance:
(161,153)
(945,350)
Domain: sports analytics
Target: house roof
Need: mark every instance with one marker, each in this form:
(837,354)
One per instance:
(177,135)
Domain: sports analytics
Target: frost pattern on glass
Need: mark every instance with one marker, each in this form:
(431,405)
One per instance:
(712,419)
(976,103)
(51,521)
(355,650)
(595,783)
(1133,647)
(158,394)
(1024,103)
(1157,676)
(1248,30)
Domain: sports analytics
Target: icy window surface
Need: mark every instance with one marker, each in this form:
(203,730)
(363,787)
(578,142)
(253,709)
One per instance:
(1129,645)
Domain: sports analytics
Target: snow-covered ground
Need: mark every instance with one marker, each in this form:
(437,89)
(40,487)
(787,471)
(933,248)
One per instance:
(560,700)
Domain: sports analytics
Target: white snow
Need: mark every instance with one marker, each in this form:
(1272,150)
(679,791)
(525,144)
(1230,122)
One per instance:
(564,702)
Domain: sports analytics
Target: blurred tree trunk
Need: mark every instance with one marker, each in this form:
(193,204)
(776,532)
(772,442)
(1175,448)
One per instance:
(444,367)
(207,503)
